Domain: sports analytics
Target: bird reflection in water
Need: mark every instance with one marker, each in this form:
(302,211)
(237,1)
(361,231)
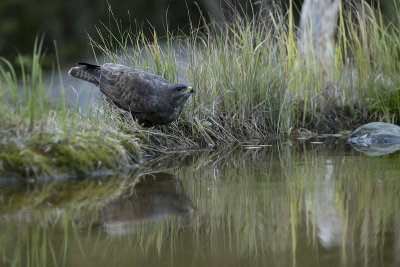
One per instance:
(156,196)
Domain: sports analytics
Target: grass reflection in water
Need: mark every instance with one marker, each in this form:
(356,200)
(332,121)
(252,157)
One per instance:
(302,205)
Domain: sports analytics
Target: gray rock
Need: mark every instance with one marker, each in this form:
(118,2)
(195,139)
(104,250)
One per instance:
(376,133)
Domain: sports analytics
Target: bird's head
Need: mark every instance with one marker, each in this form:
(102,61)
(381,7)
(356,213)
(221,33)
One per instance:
(175,98)
(179,93)
(180,90)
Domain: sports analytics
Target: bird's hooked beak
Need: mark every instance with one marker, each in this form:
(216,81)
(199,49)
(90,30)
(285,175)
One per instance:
(189,90)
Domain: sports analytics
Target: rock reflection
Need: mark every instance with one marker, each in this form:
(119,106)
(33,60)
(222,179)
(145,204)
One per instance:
(376,149)
(154,197)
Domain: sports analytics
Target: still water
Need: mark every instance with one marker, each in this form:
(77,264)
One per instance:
(303,204)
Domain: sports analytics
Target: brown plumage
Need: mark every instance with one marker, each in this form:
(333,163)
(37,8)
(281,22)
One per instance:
(150,98)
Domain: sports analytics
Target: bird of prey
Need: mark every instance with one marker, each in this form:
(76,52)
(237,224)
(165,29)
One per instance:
(150,98)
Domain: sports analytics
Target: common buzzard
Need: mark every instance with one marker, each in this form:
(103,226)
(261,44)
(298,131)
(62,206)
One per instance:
(150,98)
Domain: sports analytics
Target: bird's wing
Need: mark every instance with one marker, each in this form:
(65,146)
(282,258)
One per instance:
(132,89)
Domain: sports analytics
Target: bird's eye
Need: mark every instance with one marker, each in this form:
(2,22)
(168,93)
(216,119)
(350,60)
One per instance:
(180,88)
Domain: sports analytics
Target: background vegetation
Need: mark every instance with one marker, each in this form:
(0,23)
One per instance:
(69,22)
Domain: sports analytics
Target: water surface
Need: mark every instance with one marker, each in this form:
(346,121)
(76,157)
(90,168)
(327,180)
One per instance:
(305,204)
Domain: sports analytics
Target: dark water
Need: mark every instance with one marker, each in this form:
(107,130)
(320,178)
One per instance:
(281,205)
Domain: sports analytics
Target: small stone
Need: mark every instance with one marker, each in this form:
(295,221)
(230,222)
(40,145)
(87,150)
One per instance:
(376,133)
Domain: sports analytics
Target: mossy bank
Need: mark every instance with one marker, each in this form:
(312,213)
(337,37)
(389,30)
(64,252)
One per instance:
(56,145)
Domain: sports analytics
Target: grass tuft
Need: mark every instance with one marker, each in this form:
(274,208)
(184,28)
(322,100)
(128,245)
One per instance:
(251,80)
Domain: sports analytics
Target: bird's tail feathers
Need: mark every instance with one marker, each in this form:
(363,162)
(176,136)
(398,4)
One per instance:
(88,65)
(86,72)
